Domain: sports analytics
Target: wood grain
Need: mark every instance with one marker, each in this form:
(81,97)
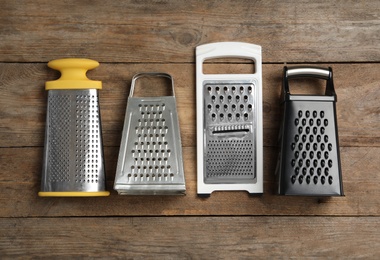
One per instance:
(168,31)
(191,237)
(21,174)
(23,106)
(132,36)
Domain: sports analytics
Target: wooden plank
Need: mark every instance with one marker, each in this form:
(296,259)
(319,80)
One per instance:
(21,174)
(23,106)
(168,31)
(191,237)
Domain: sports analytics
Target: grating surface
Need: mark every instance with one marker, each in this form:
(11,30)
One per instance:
(87,137)
(311,146)
(150,159)
(229,122)
(151,151)
(59,138)
(74,156)
(310,163)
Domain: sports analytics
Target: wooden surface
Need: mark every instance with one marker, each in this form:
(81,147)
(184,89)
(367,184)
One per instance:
(128,37)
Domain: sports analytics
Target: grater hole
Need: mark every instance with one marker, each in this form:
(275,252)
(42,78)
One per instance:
(330,163)
(315,114)
(307,113)
(323,179)
(300,179)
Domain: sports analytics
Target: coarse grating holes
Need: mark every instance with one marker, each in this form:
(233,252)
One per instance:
(151,152)
(311,149)
(224,104)
(87,139)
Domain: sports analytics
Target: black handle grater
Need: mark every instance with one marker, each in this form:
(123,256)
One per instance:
(309,160)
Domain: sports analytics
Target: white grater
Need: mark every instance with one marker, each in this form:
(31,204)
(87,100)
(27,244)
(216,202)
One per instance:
(150,158)
(229,122)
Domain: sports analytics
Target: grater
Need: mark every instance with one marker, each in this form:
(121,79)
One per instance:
(73,152)
(309,160)
(150,157)
(229,122)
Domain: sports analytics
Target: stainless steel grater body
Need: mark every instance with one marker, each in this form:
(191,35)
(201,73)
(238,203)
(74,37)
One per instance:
(150,158)
(73,156)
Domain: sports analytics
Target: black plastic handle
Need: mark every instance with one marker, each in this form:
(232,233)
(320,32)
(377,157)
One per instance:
(309,72)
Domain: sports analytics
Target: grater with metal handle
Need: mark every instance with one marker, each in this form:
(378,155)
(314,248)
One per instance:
(309,160)
(229,122)
(150,157)
(73,152)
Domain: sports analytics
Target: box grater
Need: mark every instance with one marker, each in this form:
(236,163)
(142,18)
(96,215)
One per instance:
(73,154)
(309,160)
(150,158)
(229,122)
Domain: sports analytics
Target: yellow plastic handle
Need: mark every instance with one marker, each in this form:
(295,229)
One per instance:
(73,74)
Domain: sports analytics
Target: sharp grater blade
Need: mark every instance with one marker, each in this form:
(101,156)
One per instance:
(229,122)
(309,162)
(150,158)
(73,154)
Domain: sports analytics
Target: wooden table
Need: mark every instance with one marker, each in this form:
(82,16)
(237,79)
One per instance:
(128,37)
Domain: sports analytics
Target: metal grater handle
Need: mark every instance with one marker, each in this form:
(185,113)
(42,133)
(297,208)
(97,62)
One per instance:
(150,74)
(309,72)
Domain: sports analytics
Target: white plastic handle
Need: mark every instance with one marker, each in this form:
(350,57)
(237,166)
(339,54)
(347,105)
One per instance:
(228,50)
